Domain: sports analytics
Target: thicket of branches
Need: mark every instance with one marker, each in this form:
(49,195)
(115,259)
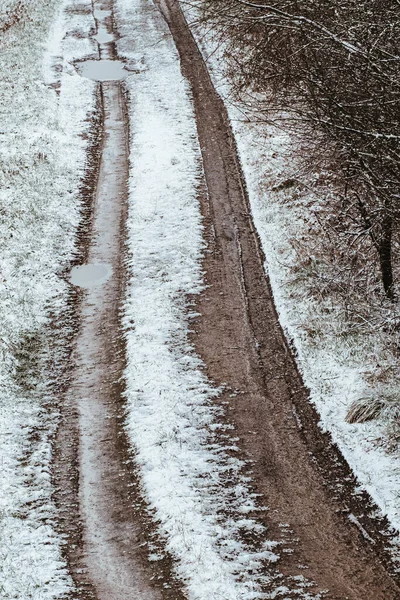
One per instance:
(337,67)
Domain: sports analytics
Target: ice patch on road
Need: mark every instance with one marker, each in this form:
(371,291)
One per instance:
(103,37)
(87,276)
(102,70)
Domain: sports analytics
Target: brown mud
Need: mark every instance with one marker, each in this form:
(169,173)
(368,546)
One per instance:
(327,528)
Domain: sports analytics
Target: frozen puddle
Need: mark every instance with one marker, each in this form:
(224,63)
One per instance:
(88,276)
(100,14)
(103,37)
(102,70)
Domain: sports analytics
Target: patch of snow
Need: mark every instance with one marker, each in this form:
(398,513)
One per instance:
(357,523)
(42,160)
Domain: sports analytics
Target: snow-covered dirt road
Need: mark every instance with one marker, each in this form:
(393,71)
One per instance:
(201,472)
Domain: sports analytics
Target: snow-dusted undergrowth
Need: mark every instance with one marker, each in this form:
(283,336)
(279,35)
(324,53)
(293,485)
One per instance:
(42,159)
(200,497)
(337,366)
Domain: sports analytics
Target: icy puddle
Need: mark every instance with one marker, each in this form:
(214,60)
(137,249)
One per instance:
(103,37)
(100,14)
(88,276)
(102,70)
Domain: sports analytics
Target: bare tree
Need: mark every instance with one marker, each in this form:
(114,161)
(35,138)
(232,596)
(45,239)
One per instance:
(337,66)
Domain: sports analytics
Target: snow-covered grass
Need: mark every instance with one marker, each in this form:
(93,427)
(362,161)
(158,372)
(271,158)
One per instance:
(42,160)
(199,493)
(340,364)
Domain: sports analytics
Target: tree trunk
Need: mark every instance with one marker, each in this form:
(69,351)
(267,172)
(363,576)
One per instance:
(385,255)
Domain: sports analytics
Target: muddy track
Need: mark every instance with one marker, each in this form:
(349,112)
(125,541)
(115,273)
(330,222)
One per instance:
(327,529)
(102,513)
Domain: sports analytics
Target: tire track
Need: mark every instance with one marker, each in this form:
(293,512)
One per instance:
(103,514)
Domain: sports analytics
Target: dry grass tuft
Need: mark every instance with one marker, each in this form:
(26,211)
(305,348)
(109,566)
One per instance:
(364,409)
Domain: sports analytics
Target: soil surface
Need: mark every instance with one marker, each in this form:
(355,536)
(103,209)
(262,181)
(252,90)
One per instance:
(296,468)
